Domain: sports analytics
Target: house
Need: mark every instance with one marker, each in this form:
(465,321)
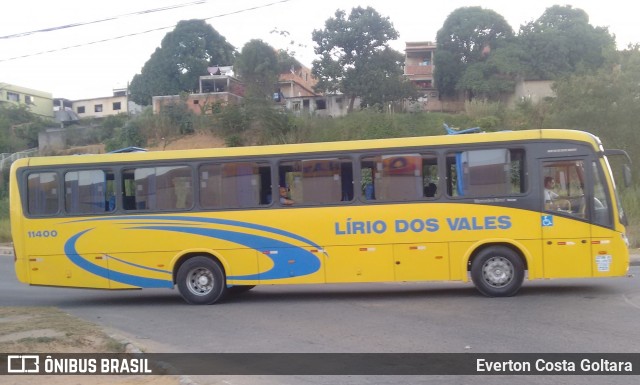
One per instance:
(298,82)
(220,87)
(419,69)
(295,93)
(102,107)
(38,102)
(418,66)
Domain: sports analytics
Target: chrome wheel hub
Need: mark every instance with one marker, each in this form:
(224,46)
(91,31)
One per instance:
(200,281)
(497,271)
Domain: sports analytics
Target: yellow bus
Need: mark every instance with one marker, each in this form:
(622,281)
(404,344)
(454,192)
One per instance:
(219,221)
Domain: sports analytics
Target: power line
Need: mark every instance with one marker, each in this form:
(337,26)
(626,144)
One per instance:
(72,25)
(141,33)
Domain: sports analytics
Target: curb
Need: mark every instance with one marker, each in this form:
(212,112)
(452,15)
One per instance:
(131,348)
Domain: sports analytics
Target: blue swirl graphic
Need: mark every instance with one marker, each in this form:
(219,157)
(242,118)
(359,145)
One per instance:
(216,221)
(304,262)
(128,279)
(288,260)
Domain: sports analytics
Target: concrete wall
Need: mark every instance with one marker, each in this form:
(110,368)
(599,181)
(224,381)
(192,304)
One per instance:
(197,103)
(52,140)
(531,90)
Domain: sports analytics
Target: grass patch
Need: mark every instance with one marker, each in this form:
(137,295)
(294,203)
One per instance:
(5,230)
(5,225)
(44,330)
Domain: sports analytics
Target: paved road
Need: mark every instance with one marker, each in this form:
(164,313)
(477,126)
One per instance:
(586,315)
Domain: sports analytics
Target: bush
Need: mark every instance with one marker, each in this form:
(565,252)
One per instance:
(5,225)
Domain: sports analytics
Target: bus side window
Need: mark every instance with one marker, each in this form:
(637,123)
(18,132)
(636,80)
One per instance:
(42,193)
(486,173)
(430,177)
(235,184)
(128,190)
(88,191)
(367,174)
(316,181)
(399,177)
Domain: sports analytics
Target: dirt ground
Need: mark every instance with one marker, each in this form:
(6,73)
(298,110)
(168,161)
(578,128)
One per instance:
(189,142)
(194,141)
(50,330)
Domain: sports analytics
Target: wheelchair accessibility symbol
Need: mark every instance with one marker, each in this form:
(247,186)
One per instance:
(547,220)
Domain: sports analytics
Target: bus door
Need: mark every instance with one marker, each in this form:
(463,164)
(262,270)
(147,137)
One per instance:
(566,231)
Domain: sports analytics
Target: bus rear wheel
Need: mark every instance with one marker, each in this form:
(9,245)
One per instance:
(201,281)
(497,271)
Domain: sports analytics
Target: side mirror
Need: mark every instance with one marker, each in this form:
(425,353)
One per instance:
(626,172)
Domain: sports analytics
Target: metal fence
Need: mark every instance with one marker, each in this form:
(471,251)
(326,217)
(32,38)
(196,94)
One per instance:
(7,158)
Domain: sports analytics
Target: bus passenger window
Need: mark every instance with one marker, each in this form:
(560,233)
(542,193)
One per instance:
(401,177)
(157,188)
(366,181)
(430,177)
(317,181)
(235,185)
(89,192)
(485,173)
(42,192)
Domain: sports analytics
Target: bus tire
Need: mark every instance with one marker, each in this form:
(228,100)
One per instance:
(201,281)
(497,271)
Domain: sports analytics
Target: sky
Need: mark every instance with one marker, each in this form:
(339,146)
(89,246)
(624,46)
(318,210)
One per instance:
(107,43)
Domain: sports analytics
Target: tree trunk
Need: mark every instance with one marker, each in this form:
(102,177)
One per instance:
(352,100)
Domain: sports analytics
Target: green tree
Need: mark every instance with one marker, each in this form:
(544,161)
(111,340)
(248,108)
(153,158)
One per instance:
(128,136)
(351,49)
(286,62)
(385,72)
(497,74)
(183,56)
(257,66)
(562,42)
(465,42)
(19,128)
(606,102)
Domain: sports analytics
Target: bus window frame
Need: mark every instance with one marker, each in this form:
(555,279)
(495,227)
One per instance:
(120,180)
(525,175)
(277,163)
(197,197)
(106,171)
(435,152)
(24,192)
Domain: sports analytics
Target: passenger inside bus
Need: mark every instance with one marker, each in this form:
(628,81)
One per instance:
(284,197)
(430,190)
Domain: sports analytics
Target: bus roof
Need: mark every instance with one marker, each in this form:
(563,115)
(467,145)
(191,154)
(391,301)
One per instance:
(284,149)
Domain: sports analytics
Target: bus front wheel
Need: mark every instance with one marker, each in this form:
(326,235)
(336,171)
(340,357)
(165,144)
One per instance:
(497,271)
(201,281)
